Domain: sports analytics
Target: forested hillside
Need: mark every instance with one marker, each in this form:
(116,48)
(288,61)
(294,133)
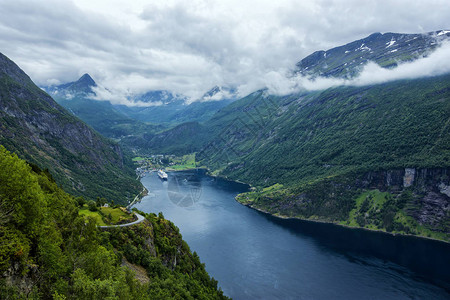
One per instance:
(48,251)
(314,154)
(39,130)
(316,135)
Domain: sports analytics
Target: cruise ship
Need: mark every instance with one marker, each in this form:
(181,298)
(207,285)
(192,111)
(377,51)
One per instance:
(162,175)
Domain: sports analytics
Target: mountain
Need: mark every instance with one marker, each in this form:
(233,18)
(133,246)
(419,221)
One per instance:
(220,93)
(181,139)
(83,85)
(162,96)
(135,126)
(199,111)
(76,97)
(39,130)
(50,251)
(170,109)
(161,106)
(387,50)
(375,156)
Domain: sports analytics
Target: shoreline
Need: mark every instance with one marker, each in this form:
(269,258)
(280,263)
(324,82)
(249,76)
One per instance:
(208,173)
(342,225)
(186,169)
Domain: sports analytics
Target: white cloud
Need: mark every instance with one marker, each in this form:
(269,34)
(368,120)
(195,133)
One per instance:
(437,63)
(118,97)
(188,47)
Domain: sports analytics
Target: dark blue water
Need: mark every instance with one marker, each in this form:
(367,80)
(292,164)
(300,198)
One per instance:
(256,256)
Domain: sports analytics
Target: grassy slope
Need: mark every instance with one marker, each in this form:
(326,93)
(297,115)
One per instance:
(185,162)
(102,215)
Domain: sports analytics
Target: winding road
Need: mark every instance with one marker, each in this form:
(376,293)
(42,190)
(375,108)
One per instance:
(139,220)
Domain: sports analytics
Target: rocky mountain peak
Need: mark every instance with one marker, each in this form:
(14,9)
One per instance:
(387,50)
(86,80)
(83,85)
(219,93)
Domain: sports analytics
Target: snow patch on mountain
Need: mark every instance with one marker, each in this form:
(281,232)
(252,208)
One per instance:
(389,44)
(432,65)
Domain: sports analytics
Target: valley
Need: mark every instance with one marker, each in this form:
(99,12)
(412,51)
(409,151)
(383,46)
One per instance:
(314,155)
(337,166)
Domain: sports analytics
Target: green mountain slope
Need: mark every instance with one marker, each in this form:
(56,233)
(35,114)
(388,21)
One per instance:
(299,137)
(35,127)
(49,251)
(326,148)
(372,156)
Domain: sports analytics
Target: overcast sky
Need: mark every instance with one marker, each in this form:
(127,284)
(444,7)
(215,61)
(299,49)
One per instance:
(187,47)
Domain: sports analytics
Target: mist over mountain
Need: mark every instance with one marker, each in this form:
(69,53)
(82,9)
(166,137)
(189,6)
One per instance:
(376,59)
(387,50)
(159,108)
(173,109)
(41,131)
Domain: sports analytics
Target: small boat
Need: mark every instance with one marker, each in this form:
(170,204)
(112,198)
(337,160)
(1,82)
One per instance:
(162,175)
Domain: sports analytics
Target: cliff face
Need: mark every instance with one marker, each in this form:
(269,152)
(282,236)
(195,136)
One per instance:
(410,200)
(431,187)
(34,126)
(398,179)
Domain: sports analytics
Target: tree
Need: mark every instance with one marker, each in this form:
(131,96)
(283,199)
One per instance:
(92,206)
(81,201)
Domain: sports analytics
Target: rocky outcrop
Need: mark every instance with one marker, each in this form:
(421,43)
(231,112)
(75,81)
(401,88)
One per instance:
(423,194)
(444,189)
(433,209)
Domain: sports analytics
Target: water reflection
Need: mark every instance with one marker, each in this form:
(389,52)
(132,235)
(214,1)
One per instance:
(256,256)
(427,257)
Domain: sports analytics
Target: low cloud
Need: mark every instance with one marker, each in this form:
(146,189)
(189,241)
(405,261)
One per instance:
(118,97)
(188,47)
(437,63)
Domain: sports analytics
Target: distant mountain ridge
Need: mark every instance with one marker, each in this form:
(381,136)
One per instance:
(219,93)
(104,117)
(387,50)
(136,127)
(39,130)
(172,109)
(83,85)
